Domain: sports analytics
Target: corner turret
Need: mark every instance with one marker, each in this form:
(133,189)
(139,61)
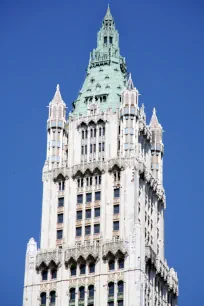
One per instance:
(56,134)
(157,147)
(128,113)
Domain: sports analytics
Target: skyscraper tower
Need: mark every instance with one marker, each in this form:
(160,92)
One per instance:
(102,230)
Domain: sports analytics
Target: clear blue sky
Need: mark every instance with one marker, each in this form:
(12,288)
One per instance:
(48,42)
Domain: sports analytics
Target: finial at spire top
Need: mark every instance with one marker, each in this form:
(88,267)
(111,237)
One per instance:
(108,15)
(58,87)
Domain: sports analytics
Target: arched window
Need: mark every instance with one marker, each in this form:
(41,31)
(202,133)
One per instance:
(44,275)
(92,267)
(111,264)
(52,298)
(73,270)
(81,293)
(72,293)
(82,269)
(121,263)
(91,291)
(120,287)
(43,299)
(53,273)
(111,289)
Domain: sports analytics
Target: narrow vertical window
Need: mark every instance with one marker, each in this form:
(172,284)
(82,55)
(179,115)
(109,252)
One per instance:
(111,265)
(94,148)
(116,225)
(110,39)
(97,196)
(116,193)
(82,150)
(43,299)
(44,275)
(105,40)
(111,289)
(60,218)
(82,134)
(103,146)
(60,202)
(79,198)
(78,231)
(73,270)
(59,234)
(54,274)
(72,294)
(99,147)
(96,228)
(90,148)
(81,293)
(85,149)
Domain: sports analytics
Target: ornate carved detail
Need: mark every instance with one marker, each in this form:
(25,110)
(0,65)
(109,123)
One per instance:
(43,287)
(150,254)
(113,246)
(91,280)
(72,283)
(53,286)
(49,256)
(31,253)
(57,172)
(84,251)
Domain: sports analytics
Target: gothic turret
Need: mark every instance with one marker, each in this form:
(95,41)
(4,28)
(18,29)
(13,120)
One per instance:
(56,139)
(128,113)
(156,147)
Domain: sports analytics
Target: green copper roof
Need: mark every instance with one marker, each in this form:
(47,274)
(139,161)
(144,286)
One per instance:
(106,74)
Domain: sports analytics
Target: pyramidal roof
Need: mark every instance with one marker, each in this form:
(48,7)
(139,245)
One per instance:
(108,15)
(57,96)
(154,122)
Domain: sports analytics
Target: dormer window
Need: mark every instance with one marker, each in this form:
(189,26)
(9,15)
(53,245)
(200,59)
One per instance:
(105,40)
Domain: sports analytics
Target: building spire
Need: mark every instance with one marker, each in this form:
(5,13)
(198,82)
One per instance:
(154,122)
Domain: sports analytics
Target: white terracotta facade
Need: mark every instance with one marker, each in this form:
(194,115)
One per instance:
(102,232)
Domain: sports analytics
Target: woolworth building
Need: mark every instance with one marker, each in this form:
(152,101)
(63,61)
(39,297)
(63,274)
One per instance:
(102,228)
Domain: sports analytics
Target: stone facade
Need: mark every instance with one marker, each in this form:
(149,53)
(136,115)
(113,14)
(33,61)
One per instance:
(102,229)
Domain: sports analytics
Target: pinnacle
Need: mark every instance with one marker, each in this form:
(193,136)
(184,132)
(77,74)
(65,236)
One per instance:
(130,82)
(57,97)
(154,122)
(108,15)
